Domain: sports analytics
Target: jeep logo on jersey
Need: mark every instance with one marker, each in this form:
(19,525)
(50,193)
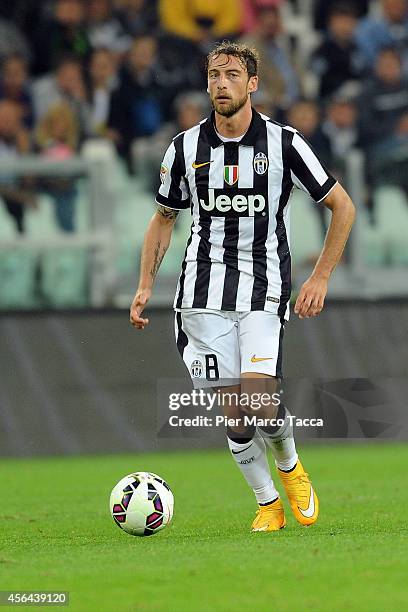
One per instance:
(230,174)
(243,205)
(261,163)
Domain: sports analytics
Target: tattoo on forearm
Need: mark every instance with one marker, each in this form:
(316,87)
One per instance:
(167,213)
(159,253)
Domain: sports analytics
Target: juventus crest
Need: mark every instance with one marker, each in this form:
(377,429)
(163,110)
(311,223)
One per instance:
(261,163)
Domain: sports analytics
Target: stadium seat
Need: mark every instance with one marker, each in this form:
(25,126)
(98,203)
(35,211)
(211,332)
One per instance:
(17,278)
(82,207)
(305,234)
(391,211)
(399,252)
(7,227)
(41,222)
(64,277)
(374,244)
(384,242)
(392,220)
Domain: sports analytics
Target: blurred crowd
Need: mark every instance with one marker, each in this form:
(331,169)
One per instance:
(132,72)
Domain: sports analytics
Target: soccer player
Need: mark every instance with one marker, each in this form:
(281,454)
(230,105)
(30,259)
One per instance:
(235,171)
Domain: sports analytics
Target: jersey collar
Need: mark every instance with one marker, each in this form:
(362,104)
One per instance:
(248,139)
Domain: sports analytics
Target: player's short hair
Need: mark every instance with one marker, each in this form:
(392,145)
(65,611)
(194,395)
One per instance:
(248,56)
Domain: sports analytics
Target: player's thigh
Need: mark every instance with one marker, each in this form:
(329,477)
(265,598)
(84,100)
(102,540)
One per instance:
(208,344)
(260,337)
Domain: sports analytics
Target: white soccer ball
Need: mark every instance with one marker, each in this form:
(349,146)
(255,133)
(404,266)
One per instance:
(142,503)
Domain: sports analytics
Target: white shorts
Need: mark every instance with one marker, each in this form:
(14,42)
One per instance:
(218,344)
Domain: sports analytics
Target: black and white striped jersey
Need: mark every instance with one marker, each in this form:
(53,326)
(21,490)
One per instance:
(237,256)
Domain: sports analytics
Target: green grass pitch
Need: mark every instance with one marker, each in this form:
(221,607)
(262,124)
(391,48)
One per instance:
(57,534)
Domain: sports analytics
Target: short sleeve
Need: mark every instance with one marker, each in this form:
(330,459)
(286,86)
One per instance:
(307,171)
(173,191)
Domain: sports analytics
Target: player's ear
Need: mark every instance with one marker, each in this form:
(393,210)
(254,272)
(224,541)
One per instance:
(253,84)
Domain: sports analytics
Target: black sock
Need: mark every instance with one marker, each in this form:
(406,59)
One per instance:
(269,503)
(287,471)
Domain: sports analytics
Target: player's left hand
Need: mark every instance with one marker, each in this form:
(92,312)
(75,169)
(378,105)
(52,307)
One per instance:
(311,297)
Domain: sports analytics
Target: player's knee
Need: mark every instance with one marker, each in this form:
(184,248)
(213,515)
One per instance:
(282,422)
(267,410)
(262,395)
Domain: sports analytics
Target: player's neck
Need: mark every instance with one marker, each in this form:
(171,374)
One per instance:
(235,126)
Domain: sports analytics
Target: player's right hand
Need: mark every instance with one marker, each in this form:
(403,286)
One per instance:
(139,302)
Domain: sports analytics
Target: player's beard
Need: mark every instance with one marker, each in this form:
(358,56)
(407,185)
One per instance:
(230,109)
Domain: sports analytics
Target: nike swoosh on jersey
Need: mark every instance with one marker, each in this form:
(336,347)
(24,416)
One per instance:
(309,512)
(256,359)
(195,165)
